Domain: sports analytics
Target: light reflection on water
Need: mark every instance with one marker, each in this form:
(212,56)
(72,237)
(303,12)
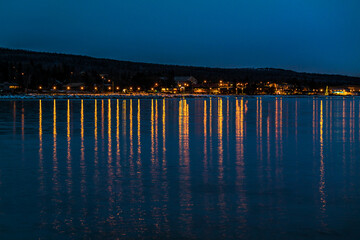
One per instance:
(225,167)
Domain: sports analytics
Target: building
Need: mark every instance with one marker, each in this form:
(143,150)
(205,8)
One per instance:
(354,89)
(185,83)
(9,87)
(342,91)
(183,80)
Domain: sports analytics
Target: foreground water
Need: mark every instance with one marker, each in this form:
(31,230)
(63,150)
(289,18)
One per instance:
(211,168)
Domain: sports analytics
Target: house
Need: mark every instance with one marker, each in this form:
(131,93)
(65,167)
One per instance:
(184,83)
(185,80)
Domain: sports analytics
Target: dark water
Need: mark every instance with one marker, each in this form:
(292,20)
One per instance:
(211,168)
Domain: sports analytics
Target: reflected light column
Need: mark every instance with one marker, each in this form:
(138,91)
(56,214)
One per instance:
(102,119)
(184,166)
(322,165)
(220,138)
(96,150)
(95,133)
(259,126)
(102,126)
(68,138)
(117,137)
(131,147)
(165,185)
(156,130)
(131,129)
(152,133)
(221,196)
(109,133)
(124,120)
(40,133)
(82,152)
(82,129)
(41,155)
(240,176)
(205,144)
(164,131)
(109,163)
(55,167)
(139,133)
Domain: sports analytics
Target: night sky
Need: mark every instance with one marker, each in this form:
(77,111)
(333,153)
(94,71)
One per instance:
(303,35)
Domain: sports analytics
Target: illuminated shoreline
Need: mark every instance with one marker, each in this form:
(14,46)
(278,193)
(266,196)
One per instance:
(149,95)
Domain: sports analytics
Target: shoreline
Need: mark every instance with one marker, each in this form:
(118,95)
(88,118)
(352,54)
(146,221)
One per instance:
(144,96)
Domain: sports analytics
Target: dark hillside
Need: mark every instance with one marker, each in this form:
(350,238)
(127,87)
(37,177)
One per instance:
(30,69)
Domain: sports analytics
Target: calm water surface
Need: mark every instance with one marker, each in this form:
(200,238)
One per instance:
(211,168)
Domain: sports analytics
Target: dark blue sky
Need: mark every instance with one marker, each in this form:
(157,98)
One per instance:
(303,35)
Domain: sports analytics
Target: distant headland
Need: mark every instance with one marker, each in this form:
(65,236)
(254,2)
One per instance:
(31,72)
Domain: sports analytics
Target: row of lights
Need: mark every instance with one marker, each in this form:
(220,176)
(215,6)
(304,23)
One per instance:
(95,88)
(156,85)
(118,88)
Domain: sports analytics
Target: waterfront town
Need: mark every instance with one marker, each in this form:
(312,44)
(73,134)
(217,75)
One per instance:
(181,85)
(27,72)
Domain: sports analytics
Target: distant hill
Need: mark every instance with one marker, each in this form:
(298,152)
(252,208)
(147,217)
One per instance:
(33,68)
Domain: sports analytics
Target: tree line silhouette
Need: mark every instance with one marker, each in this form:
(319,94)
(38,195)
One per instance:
(30,69)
